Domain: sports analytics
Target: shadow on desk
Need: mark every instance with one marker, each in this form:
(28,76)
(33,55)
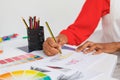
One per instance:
(116,73)
(24,48)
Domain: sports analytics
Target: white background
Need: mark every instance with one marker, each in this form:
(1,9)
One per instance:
(58,13)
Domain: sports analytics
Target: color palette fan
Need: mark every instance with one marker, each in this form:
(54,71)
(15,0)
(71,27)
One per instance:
(16,60)
(24,75)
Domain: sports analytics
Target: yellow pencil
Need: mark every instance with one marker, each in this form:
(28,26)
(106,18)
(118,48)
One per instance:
(25,22)
(51,34)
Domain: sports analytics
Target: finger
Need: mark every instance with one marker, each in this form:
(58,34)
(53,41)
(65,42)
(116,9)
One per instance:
(48,50)
(51,42)
(91,48)
(87,51)
(98,52)
(45,48)
(84,46)
(47,53)
(51,52)
(99,49)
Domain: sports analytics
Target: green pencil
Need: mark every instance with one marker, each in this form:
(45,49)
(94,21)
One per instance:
(51,34)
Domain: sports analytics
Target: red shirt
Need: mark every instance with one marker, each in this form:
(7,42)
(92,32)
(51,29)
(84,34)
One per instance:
(87,21)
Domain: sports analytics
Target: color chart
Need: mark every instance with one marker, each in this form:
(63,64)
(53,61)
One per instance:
(24,75)
(19,59)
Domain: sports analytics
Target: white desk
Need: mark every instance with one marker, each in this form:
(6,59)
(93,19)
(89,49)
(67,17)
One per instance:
(106,66)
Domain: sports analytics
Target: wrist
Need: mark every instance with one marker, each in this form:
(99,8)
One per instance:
(63,38)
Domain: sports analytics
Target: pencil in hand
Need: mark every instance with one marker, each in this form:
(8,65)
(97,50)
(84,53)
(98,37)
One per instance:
(52,34)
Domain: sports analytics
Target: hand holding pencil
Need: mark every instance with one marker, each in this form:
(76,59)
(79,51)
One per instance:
(53,44)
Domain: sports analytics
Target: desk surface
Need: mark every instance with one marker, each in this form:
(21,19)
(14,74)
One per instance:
(10,48)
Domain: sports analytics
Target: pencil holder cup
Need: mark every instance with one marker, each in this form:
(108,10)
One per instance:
(35,38)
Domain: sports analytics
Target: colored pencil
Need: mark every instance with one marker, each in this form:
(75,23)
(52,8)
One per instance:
(51,34)
(25,22)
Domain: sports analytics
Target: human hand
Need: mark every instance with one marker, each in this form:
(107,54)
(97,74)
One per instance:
(97,48)
(51,47)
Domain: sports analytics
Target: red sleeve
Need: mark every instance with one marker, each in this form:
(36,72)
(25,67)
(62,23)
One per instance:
(87,21)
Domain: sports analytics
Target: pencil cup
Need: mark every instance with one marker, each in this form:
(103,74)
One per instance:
(35,38)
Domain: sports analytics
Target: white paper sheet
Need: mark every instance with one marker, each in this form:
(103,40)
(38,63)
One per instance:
(69,63)
(74,60)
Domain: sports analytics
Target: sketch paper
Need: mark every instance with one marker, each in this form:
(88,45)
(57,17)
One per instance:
(67,65)
(56,74)
(72,59)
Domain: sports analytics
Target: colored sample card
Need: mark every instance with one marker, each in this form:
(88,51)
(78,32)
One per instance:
(3,62)
(19,59)
(24,75)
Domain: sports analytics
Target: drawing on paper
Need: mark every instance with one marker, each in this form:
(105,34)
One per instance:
(73,61)
(75,76)
(60,68)
(60,57)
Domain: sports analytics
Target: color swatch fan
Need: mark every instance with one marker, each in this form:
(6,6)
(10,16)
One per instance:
(24,75)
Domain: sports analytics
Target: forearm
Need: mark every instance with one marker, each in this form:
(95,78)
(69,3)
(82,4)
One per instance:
(117,46)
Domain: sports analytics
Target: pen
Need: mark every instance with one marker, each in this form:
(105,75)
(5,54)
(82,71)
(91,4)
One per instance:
(51,34)
(25,22)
